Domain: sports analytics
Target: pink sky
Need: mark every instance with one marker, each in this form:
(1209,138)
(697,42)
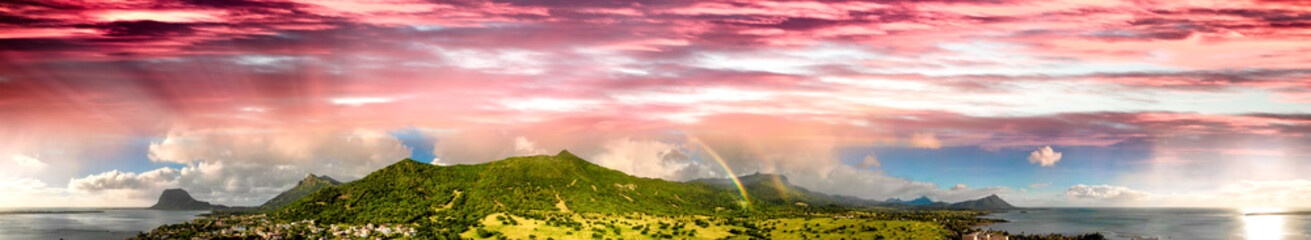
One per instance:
(118,99)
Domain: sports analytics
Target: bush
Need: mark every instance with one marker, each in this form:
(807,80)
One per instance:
(483,233)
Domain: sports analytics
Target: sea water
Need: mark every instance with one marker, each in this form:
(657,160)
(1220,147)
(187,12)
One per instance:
(1158,223)
(109,224)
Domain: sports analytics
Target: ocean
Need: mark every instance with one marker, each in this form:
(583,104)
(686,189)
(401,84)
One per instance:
(1159,223)
(109,224)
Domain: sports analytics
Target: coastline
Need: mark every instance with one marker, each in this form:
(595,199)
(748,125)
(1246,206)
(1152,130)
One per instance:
(1278,213)
(51,212)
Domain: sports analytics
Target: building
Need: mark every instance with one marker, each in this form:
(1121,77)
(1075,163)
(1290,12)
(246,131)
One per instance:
(985,236)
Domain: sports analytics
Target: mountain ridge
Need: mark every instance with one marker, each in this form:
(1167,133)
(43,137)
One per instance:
(459,195)
(304,187)
(991,202)
(775,188)
(922,200)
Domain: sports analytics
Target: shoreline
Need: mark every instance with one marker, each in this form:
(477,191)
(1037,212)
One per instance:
(51,212)
(1279,213)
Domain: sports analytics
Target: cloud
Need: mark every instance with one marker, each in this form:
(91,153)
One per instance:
(1104,192)
(357,101)
(524,147)
(1040,185)
(114,179)
(248,166)
(1247,193)
(1293,193)
(29,192)
(925,140)
(832,73)
(869,161)
(959,187)
(26,161)
(864,183)
(649,158)
(1045,157)
(478,146)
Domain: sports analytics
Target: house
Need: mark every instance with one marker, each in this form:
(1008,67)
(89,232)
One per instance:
(985,236)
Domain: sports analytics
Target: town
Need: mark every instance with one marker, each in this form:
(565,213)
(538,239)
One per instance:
(259,226)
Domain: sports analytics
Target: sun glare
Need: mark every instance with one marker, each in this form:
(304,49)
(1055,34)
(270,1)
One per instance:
(1262,227)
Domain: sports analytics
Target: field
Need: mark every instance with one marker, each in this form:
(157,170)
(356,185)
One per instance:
(641,226)
(835,228)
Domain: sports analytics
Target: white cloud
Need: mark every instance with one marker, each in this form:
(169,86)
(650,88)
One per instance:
(1278,193)
(249,166)
(1045,156)
(29,192)
(925,140)
(479,146)
(495,61)
(524,147)
(959,187)
(647,158)
(869,161)
(1267,193)
(26,161)
(1040,185)
(1105,192)
(115,179)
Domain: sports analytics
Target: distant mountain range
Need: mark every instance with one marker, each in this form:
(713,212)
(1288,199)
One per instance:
(179,199)
(776,189)
(923,200)
(564,182)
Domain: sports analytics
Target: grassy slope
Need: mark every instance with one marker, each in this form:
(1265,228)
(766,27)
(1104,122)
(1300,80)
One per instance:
(424,194)
(636,226)
(455,201)
(830,228)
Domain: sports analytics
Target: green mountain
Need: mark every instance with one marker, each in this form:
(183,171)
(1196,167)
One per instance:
(303,188)
(775,191)
(991,202)
(451,198)
(178,199)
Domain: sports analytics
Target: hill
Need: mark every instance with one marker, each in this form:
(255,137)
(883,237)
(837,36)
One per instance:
(565,197)
(773,190)
(303,188)
(178,199)
(991,202)
(450,198)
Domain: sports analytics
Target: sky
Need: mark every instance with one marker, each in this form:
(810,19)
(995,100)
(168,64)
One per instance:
(1135,103)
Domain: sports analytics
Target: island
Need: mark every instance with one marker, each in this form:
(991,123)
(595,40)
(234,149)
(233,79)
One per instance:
(565,197)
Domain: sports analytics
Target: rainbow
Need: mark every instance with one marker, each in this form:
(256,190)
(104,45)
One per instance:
(746,201)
